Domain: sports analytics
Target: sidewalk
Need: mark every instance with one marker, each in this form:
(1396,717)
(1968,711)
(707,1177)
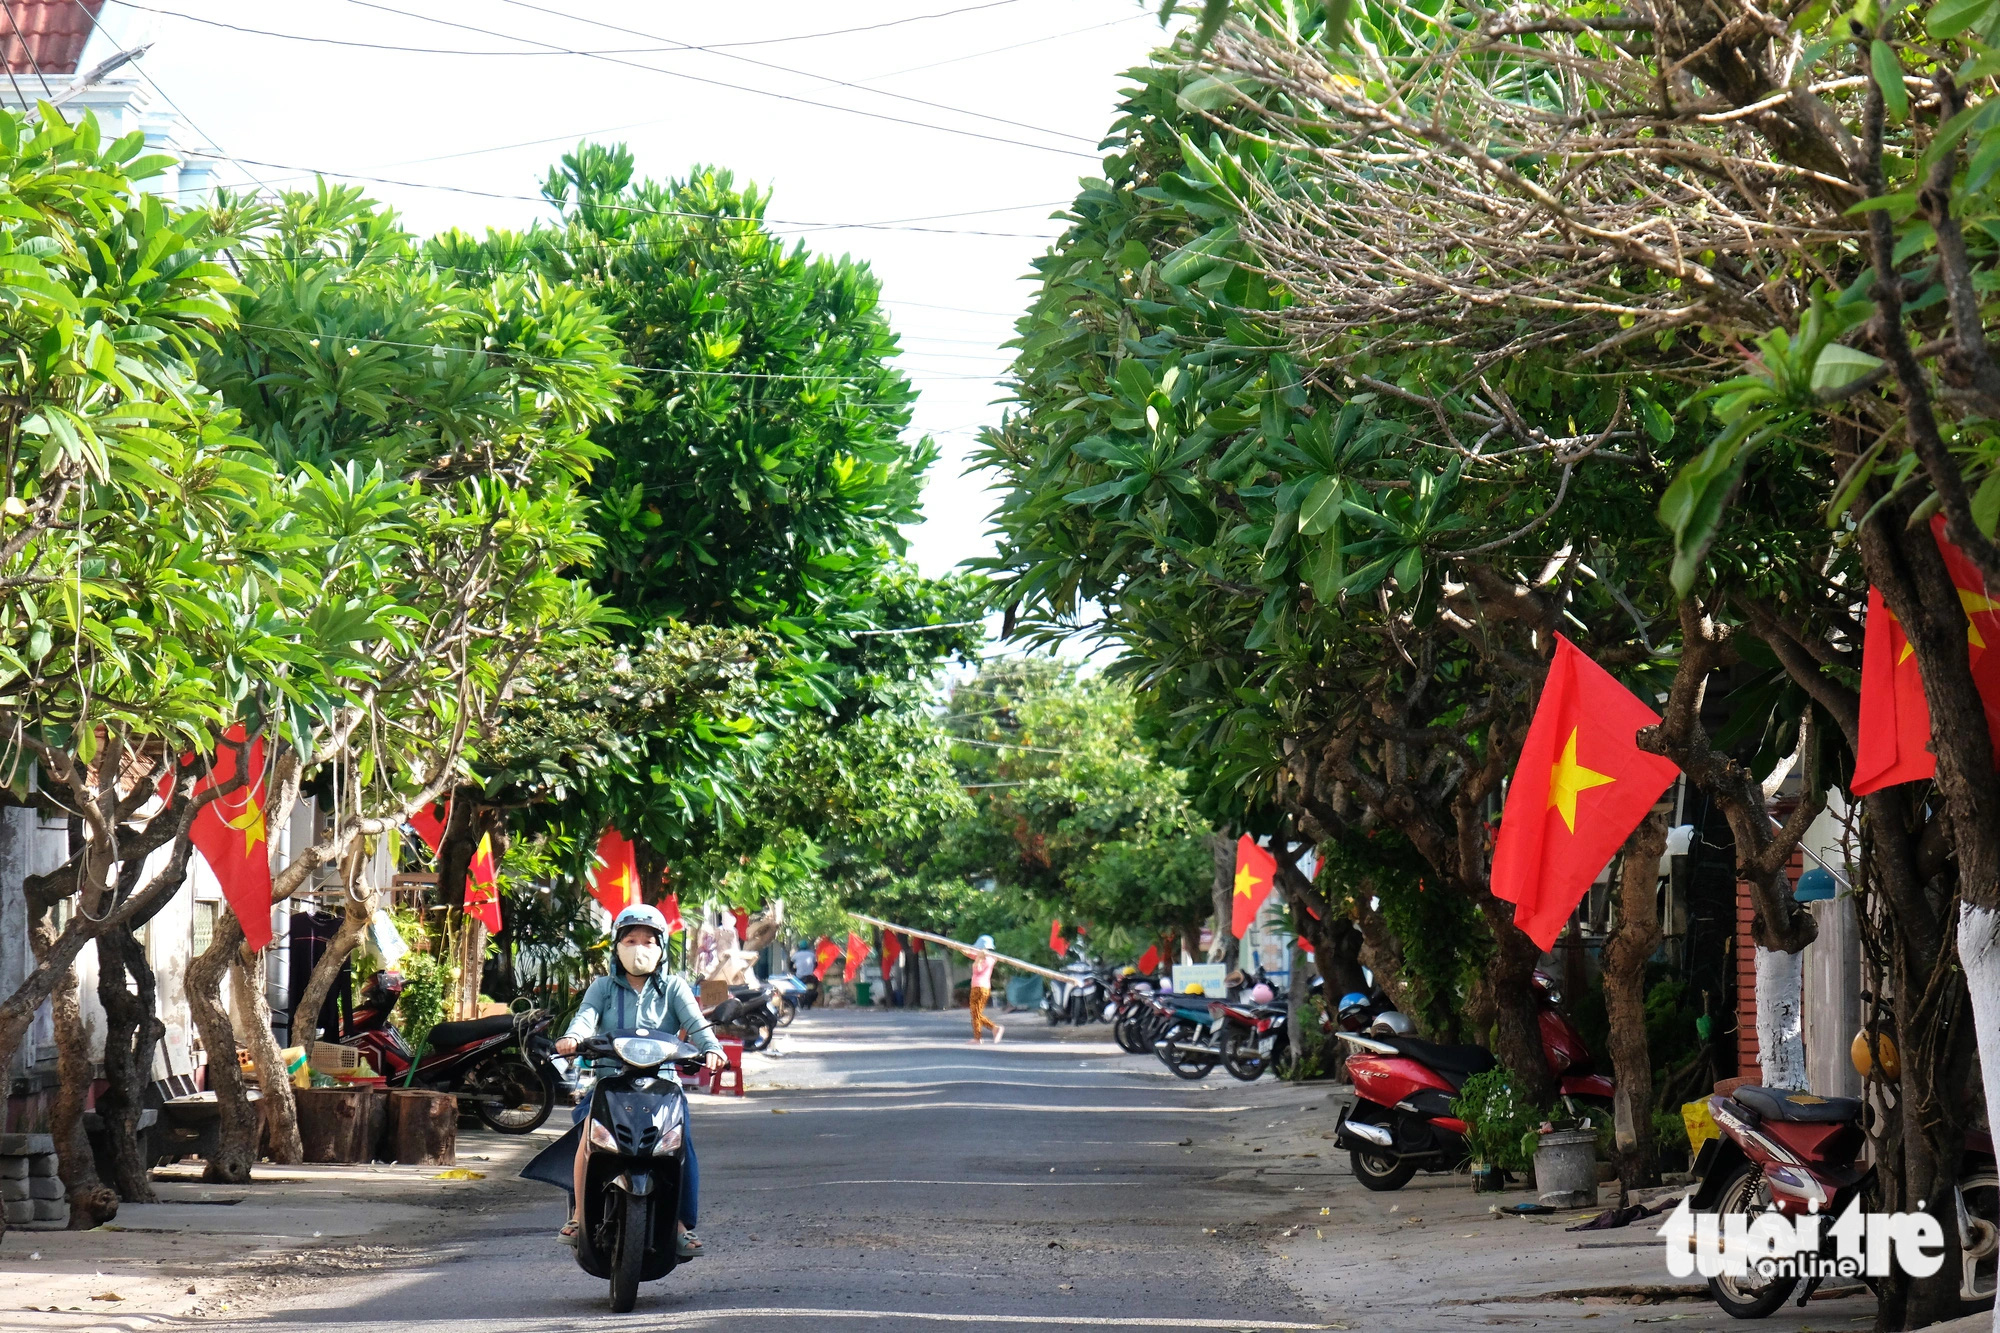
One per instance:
(209,1250)
(1433,1253)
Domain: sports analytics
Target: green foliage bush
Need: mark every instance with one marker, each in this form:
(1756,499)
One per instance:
(1498,1120)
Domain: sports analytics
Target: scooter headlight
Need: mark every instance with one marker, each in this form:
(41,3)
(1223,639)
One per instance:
(600,1136)
(669,1142)
(642,1052)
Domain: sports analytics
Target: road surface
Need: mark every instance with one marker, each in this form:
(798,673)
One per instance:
(898,1179)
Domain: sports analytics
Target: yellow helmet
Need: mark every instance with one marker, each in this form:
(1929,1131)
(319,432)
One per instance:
(1195,988)
(1890,1064)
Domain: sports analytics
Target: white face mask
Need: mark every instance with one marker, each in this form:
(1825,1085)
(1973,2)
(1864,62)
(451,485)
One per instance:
(639,955)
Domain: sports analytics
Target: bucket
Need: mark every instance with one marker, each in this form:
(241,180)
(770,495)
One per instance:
(1488,1179)
(1566,1169)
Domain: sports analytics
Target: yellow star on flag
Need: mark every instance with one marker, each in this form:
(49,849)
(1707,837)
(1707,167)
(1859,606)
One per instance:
(1974,603)
(251,823)
(1567,778)
(1245,882)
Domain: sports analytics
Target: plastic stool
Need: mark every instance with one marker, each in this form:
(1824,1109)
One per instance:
(714,1081)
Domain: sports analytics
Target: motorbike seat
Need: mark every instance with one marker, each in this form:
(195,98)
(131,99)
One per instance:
(1797,1105)
(445,1036)
(1455,1063)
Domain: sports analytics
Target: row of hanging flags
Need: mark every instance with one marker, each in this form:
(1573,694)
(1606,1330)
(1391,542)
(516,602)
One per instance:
(1583,784)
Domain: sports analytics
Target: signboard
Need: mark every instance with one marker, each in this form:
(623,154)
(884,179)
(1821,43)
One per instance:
(1209,976)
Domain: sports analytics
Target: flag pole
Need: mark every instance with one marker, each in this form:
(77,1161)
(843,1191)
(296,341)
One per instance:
(1063,978)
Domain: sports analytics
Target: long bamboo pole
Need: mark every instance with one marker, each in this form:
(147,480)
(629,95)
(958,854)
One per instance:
(1065,978)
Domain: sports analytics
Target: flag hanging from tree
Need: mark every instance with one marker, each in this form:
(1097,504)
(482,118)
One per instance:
(892,949)
(1056,940)
(1582,785)
(670,908)
(857,953)
(1149,960)
(824,953)
(430,822)
(1256,871)
(1894,745)
(615,881)
(482,886)
(229,833)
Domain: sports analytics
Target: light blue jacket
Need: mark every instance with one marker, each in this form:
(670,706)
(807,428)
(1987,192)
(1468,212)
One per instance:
(664,1003)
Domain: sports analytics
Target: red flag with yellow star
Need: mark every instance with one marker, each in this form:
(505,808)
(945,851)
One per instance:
(1895,739)
(1256,869)
(482,886)
(1582,785)
(230,835)
(615,881)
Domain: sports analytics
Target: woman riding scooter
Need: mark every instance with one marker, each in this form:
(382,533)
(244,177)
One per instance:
(639,993)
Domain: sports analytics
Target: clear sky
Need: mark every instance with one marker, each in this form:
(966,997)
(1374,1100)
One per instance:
(1038,79)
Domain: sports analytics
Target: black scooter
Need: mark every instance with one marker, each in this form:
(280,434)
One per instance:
(632,1181)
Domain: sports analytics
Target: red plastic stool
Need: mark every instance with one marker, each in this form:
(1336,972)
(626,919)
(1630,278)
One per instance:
(716,1080)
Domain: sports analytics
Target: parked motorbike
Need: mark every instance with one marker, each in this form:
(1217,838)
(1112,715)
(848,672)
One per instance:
(1188,1042)
(1402,1120)
(502,1066)
(1254,1038)
(790,994)
(1130,991)
(751,1014)
(1788,1151)
(632,1181)
(1083,1000)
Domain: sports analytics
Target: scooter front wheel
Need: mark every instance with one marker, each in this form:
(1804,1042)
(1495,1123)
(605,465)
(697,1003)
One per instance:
(1242,1058)
(628,1252)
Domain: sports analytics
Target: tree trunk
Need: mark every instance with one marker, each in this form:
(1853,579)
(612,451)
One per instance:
(91,1202)
(1382,954)
(236,1140)
(280,1108)
(1517,1026)
(1222,892)
(353,923)
(1781,1043)
(133,1030)
(1624,962)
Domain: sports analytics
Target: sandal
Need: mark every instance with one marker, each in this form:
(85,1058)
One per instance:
(689,1246)
(568,1233)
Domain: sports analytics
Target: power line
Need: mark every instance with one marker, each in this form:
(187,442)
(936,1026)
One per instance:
(996,50)
(868,27)
(741,88)
(807,74)
(624,208)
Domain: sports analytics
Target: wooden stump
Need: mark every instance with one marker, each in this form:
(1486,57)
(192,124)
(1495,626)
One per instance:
(423,1127)
(379,1147)
(336,1124)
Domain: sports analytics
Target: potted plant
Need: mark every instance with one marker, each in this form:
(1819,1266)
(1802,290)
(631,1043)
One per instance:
(1496,1121)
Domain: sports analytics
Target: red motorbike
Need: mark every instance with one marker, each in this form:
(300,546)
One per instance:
(1402,1120)
(1794,1153)
(503,1066)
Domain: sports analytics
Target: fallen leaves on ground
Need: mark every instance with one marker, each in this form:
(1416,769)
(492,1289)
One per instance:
(456,1173)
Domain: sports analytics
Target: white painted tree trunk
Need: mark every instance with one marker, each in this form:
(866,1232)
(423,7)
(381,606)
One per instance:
(1781,1043)
(1979,955)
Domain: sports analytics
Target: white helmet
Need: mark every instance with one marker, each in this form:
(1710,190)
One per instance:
(1392,1024)
(638,914)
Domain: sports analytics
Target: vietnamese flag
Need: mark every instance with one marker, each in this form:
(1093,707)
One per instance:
(1894,745)
(482,896)
(1256,870)
(429,824)
(824,953)
(615,880)
(670,908)
(230,835)
(1581,787)
(1149,960)
(892,949)
(857,953)
(1056,940)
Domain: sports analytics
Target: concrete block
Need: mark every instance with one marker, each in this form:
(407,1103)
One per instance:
(42,1164)
(45,1187)
(51,1210)
(13,1191)
(13,1168)
(18,1211)
(20,1145)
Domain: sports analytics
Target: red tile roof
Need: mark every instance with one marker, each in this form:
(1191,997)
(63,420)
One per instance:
(55,31)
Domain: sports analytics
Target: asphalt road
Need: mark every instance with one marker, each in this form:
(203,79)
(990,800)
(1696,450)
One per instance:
(897,1177)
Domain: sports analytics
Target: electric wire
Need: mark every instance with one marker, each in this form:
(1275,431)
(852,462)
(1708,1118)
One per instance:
(997,50)
(806,74)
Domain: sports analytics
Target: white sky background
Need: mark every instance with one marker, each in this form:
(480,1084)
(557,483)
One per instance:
(427,119)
